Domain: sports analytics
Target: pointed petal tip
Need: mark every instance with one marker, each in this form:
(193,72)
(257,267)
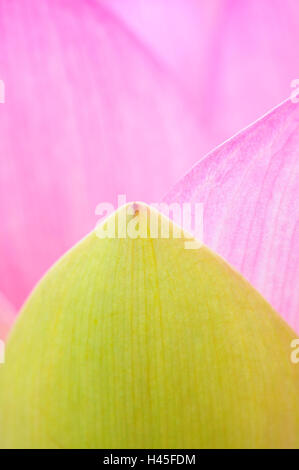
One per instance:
(123,323)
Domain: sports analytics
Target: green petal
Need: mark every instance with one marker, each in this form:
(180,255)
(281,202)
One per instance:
(141,343)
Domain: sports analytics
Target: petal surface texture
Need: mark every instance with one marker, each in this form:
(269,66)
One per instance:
(89,114)
(141,343)
(249,190)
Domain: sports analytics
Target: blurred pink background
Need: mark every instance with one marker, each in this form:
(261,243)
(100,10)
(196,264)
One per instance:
(121,97)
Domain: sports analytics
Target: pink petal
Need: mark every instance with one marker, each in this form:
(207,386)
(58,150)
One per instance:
(249,190)
(7,316)
(236,58)
(89,114)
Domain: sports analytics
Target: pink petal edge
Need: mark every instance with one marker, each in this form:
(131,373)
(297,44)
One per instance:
(249,189)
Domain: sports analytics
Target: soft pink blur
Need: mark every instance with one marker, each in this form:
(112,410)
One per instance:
(101,103)
(89,114)
(235,58)
(249,191)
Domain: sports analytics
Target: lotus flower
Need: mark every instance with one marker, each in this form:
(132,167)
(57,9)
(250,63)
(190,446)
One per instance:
(140,342)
